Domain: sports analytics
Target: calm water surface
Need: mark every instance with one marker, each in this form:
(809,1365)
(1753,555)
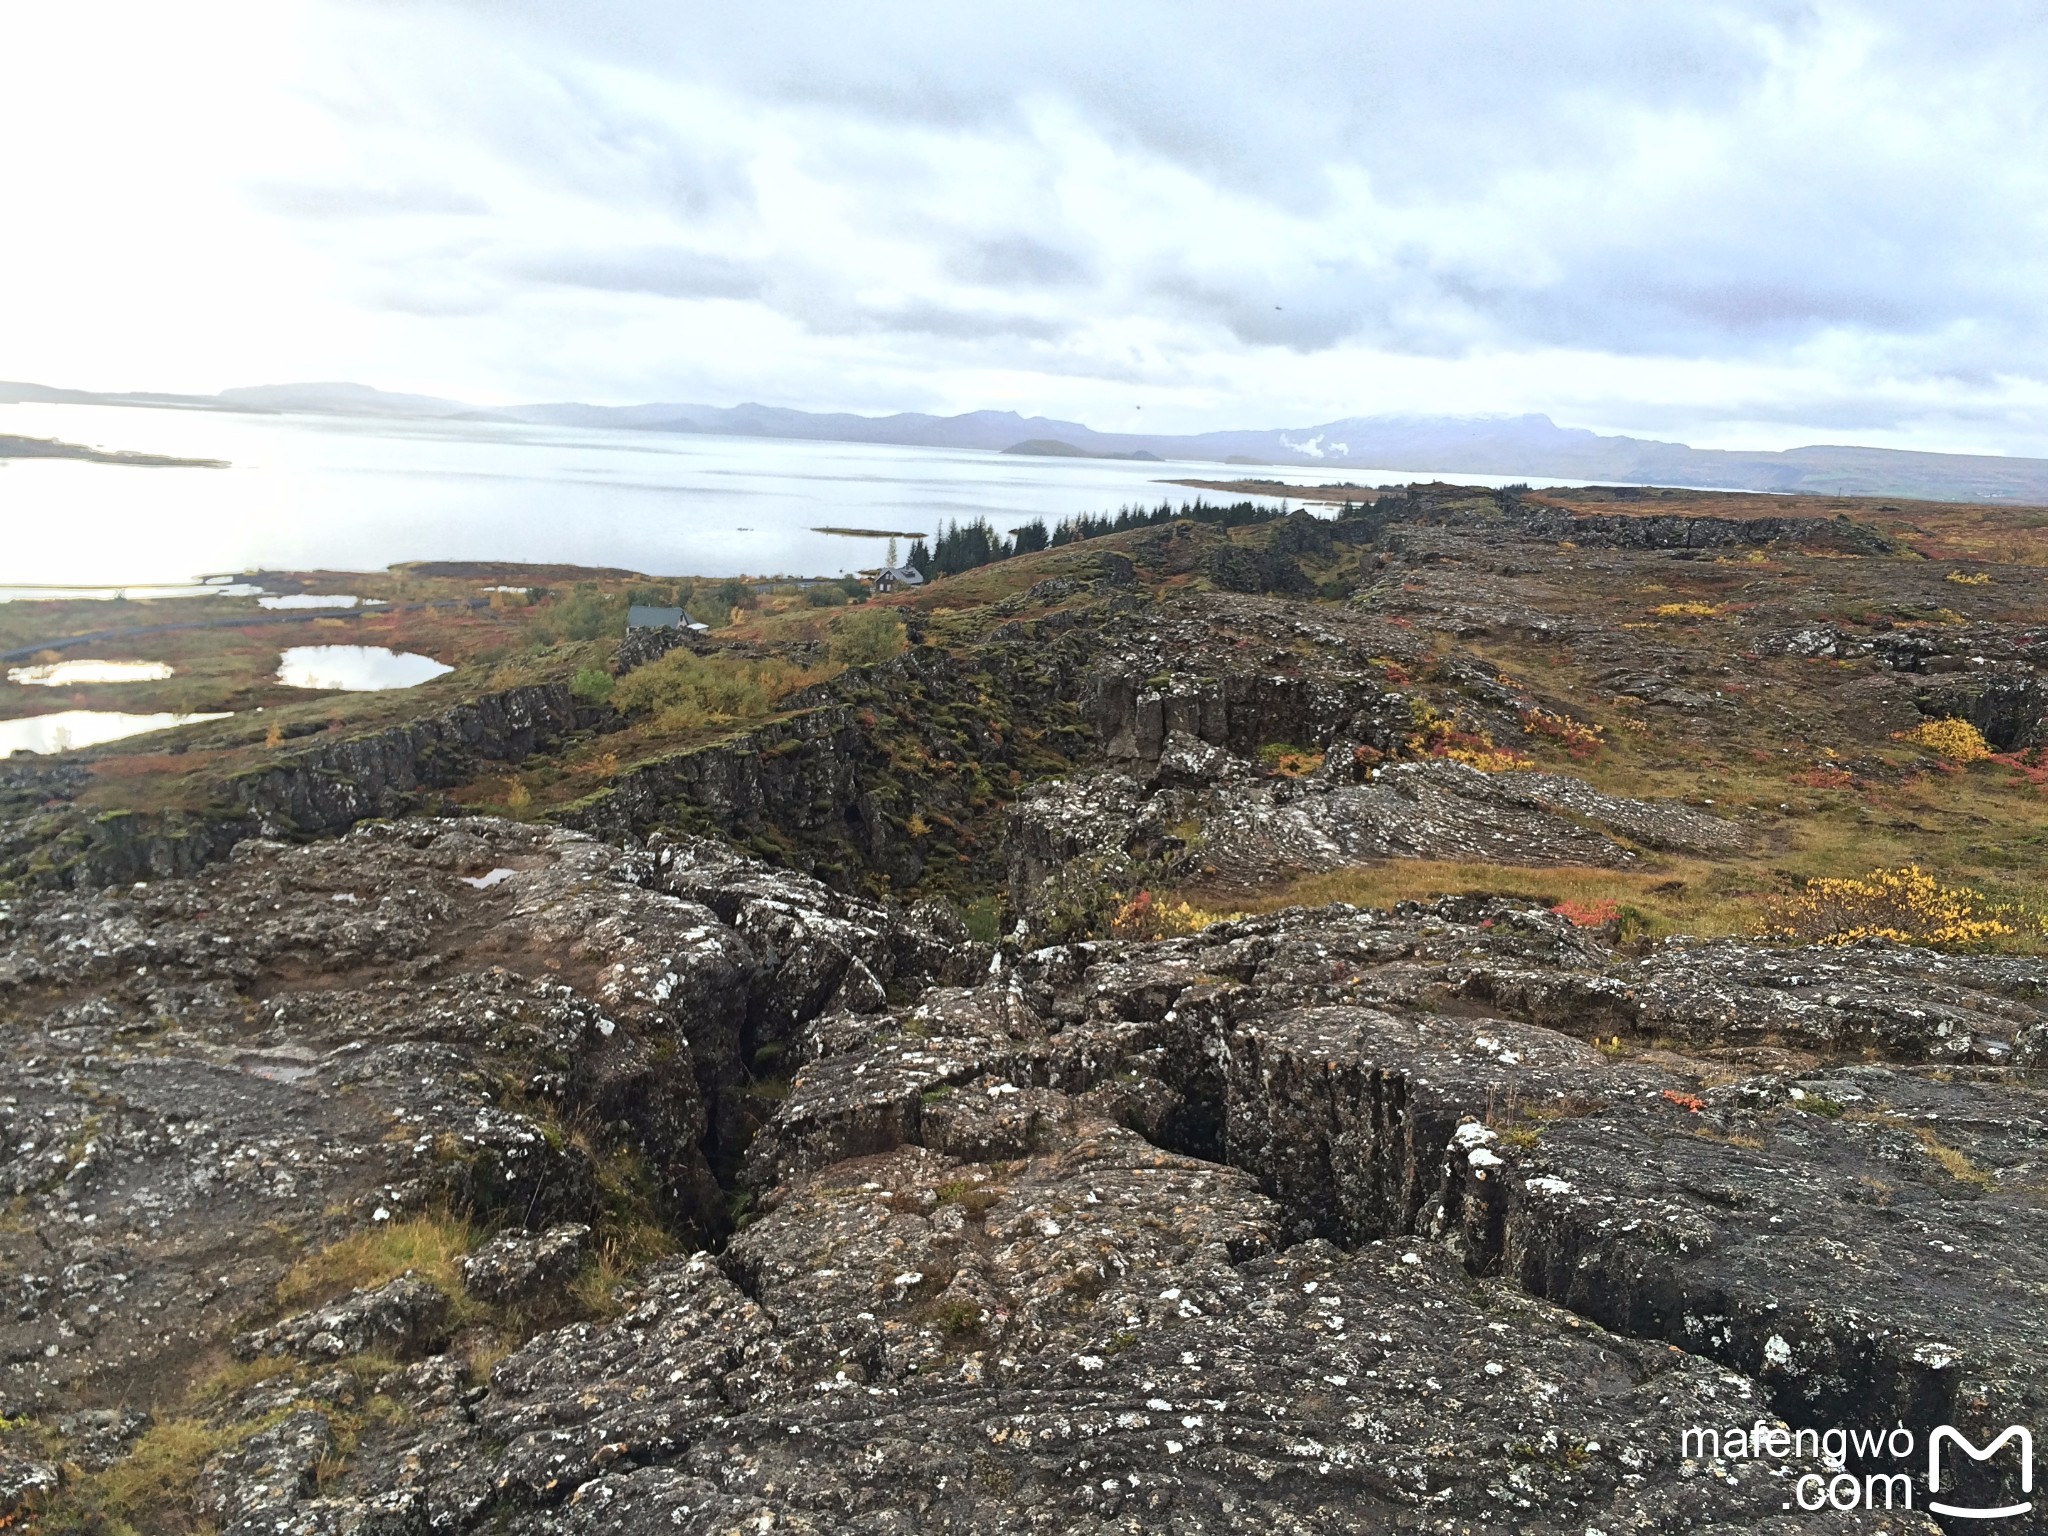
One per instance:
(69,728)
(355,668)
(333,493)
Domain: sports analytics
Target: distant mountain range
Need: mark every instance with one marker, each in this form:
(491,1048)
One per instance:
(1488,445)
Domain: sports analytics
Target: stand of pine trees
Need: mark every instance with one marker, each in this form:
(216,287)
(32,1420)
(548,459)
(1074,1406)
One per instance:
(964,546)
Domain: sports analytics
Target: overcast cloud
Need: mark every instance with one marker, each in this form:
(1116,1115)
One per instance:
(1735,224)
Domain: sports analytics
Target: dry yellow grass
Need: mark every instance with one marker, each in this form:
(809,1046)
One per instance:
(1681,895)
(1953,1162)
(158,1480)
(1675,895)
(427,1244)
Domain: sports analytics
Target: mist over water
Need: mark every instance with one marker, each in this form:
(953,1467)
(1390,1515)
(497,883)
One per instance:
(338,493)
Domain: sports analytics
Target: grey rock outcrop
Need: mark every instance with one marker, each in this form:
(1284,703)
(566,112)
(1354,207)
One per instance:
(1206,815)
(516,1265)
(2011,711)
(407,1316)
(333,786)
(303,791)
(1330,1220)
(509,1023)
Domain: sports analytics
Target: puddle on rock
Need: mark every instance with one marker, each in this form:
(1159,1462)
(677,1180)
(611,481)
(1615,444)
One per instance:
(63,674)
(485,882)
(72,728)
(355,668)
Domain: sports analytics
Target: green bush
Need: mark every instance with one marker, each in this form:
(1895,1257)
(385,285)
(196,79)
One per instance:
(593,685)
(685,691)
(713,602)
(869,636)
(587,614)
(984,919)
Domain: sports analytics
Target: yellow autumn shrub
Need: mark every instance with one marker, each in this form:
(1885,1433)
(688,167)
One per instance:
(1145,916)
(1907,906)
(1438,735)
(1950,738)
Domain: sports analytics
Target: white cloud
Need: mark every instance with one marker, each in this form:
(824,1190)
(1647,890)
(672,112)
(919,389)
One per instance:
(1758,223)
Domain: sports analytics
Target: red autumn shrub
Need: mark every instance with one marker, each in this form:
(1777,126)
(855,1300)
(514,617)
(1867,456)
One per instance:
(1588,914)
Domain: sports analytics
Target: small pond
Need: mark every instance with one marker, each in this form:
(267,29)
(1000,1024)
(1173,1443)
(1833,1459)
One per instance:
(355,668)
(309,600)
(64,674)
(83,728)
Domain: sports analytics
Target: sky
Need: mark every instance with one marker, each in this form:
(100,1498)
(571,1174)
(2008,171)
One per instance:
(1754,225)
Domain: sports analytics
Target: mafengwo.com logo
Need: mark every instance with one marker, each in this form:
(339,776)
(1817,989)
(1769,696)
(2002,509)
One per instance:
(1829,1484)
(1945,1436)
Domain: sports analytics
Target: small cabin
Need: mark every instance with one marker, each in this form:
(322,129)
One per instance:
(639,616)
(893,578)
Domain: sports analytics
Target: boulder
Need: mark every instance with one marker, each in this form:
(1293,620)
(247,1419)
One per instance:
(517,1266)
(406,1316)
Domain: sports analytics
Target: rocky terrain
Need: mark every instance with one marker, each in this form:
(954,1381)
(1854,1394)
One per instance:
(820,1128)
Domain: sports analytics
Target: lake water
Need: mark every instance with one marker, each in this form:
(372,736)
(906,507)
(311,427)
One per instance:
(336,493)
(355,668)
(70,728)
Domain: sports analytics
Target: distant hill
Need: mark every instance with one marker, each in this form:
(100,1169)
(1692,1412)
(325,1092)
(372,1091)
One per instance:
(1491,445)
(340,400)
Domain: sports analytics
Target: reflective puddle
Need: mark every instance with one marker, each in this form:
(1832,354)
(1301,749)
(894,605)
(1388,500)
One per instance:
(309,600)
(355,668)
(84,728)
(62,674)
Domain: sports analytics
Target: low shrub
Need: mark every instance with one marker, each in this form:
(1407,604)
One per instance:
(1589,913)
(593,685)
(1907,906)
(1956,741)
(1288,761)
(587,613)
(867,637)
(1581,742)
(1438,735)
(685,691)
(1145,916)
